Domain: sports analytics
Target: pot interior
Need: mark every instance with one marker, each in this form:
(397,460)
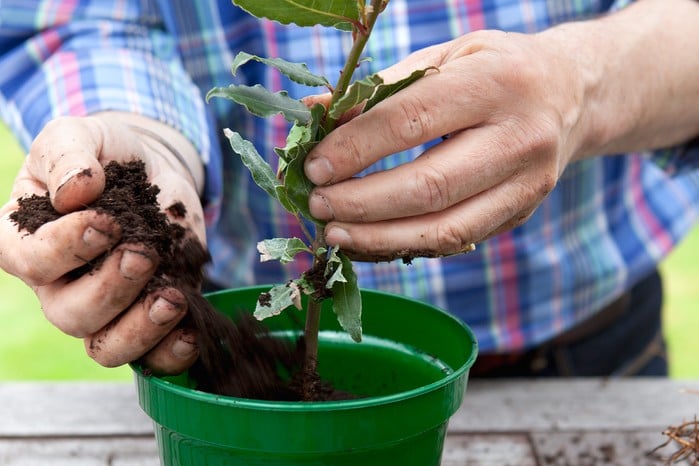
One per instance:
(406,344)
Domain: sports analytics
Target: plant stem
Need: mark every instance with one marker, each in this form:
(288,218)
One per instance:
(361,38)
(314,305)
(313,309)
(311,335)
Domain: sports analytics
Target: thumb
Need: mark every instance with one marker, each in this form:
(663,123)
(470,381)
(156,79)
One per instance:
(64,158)
(67,157)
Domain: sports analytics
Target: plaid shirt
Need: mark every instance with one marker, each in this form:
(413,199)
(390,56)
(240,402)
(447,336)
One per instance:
(606,224)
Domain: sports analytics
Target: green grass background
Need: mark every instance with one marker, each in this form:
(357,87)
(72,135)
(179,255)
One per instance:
(32,349)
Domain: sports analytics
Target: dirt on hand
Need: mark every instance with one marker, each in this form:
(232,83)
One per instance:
(236,358)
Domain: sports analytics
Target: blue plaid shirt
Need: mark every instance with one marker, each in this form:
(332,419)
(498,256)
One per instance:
(606,224)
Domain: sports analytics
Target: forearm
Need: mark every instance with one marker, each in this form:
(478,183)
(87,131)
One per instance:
(639,72)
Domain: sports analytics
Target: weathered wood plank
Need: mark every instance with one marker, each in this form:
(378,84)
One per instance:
(476,450)
(79,452)
(71,408)
(489,406)
(600,448)
(576,404)
(559,422)
(488,450)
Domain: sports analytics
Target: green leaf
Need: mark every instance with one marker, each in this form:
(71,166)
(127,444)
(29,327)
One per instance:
(298,134)
(358,92)
(347,300)
(385,91)
(335,13)
(333,268)
(298,186)
(264,103)
(297,72)
(317,114)
(261,172)
(284,200)
(281,249)
(277,299)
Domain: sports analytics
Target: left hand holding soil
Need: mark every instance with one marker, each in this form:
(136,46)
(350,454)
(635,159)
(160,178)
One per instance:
(67,160)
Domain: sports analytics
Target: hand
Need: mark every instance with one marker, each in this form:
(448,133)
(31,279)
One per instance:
(88,306)
(508,107)
(516,109)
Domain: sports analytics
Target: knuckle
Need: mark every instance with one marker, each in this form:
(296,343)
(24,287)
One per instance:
(359,212)
(31,274)
(101,357)
(432,187)
(413,125)
(103,349)
(72,327)
(546,185)
(449,237)
(535,139)
(544,137)
(351,152)
(522,218)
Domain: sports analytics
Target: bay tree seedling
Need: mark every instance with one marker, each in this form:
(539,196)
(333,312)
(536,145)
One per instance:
(331,275)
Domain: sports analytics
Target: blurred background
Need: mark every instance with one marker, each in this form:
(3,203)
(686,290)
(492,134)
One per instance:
(32,349)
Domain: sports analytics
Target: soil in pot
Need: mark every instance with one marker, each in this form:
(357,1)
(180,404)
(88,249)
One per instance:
(237,358)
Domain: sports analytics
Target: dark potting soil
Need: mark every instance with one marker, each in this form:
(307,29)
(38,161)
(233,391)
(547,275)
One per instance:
(236,358)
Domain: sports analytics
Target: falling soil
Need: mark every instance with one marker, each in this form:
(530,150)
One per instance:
(236,358)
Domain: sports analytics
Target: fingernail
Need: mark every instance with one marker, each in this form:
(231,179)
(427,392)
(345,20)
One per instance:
(96,238)
(319,207)
(68,176)
(185,346)
(134,265)
(163,311)
(319,171)
(337,236)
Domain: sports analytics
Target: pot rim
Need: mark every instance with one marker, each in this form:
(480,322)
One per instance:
(305,406)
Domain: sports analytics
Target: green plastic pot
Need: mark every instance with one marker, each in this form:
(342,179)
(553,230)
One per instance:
(411,367)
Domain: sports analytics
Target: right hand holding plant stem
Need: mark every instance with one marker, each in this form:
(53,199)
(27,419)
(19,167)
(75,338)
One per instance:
(514,111)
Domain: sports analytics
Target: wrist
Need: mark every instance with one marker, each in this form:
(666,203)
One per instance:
(637,68)
(178,152)
(587,77)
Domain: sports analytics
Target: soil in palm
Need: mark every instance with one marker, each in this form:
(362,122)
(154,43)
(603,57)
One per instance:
(236,358)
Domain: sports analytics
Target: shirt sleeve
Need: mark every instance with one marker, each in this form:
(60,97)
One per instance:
(78,58)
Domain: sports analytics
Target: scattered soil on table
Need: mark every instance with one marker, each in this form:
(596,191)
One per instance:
(236,358)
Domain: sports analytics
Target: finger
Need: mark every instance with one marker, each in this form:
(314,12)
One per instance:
(83,306)
(174,354)
(175,192)
(442,233)
(137,330)
(438,104)
(64,157)
(447,173)
(56,247)
(68,154)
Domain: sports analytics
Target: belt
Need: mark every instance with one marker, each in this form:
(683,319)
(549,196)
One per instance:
(528,362)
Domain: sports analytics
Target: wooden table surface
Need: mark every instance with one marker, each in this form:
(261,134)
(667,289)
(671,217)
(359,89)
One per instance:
(576,422)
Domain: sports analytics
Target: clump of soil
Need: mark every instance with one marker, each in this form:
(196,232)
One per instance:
(236,358)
